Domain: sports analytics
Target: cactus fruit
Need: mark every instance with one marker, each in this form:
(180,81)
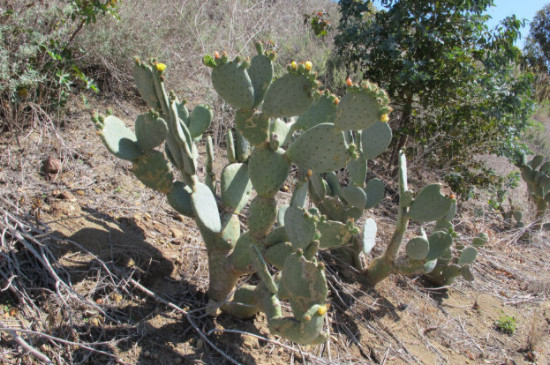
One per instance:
(324,134)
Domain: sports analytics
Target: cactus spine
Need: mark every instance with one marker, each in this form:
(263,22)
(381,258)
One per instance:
(327,135)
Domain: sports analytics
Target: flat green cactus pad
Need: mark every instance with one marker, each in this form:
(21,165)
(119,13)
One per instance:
(302,332)
(240,257)
(153,171)
(354,196)
(252,125)
(440,242)
(376,139)
(321,149)
(369,235)
(480,240)
(466,273)
(375,192)
(276,255)
(418,248)
(200,120)
(242,147)
(322,110)
(358,172)
(300,227)
(144,78)
(119,139)
(318,186)
(287,96)
(299,195)
(452,211)
(182,112)
(276,236)
(333,182)
(430,204)
(281,215)
(536,161)
(233,84)
(333,234)
(261,74)
(180,199)
(304,283)
(262,214)
(281,129)
(205,208)
(467,256)
(235,186)
(151,131)
(268,170)
(357,110)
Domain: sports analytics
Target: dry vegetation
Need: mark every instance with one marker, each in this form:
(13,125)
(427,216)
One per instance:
(97,269)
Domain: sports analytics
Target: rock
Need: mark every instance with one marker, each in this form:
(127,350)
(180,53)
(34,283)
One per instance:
(64,195)
(175,233)
(250,342)
(51,168)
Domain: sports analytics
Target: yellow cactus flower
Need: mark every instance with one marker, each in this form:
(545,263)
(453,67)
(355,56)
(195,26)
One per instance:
(294,65)
(160,67)
(308,65)
(385,118)
(322,310)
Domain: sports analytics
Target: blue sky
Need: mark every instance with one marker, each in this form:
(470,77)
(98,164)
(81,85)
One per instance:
(524,9)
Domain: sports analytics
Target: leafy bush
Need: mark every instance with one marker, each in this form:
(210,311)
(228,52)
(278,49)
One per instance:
(455,83)
(506,324)
(38,61)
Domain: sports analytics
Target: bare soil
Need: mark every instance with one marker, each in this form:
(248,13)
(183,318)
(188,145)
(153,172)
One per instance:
(107,231)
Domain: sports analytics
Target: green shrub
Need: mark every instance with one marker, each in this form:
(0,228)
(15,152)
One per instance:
(38,67)
(506,324)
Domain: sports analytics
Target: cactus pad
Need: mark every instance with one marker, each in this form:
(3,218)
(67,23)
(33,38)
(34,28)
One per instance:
(235,186)
(304,283)
(144,78)
(268,170)
(333,234)
(418,248)
(430,204)
(322,110)
(375,193)
(151,131)
(369,235)
(253,126)
(119,139)
(180,199)
(205,208)
(354,196)
(288,96)
(300,227)
(321,149)
(439,244)
(358,172)
(199,121)
(376,139)
(467,256)
(261,74)
(357,110)
(153,171)
(233,84)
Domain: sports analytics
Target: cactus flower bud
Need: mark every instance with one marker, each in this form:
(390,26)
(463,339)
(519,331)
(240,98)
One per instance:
(308,65)
(349,82)
(307,317)
(309,173)
(322,310)
(217,55)
(384,118)
(294,65)
(160,67)
(336,101)
(452,196)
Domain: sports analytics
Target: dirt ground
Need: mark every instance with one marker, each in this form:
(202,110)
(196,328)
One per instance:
(115,243)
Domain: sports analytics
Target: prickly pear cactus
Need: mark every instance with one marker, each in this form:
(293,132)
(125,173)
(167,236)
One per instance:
(279,123)
(536,173)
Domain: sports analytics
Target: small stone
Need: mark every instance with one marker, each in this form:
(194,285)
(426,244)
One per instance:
(80,192)
(176,233)
(51,167)
(147,217)
(250,342)
(64,195)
